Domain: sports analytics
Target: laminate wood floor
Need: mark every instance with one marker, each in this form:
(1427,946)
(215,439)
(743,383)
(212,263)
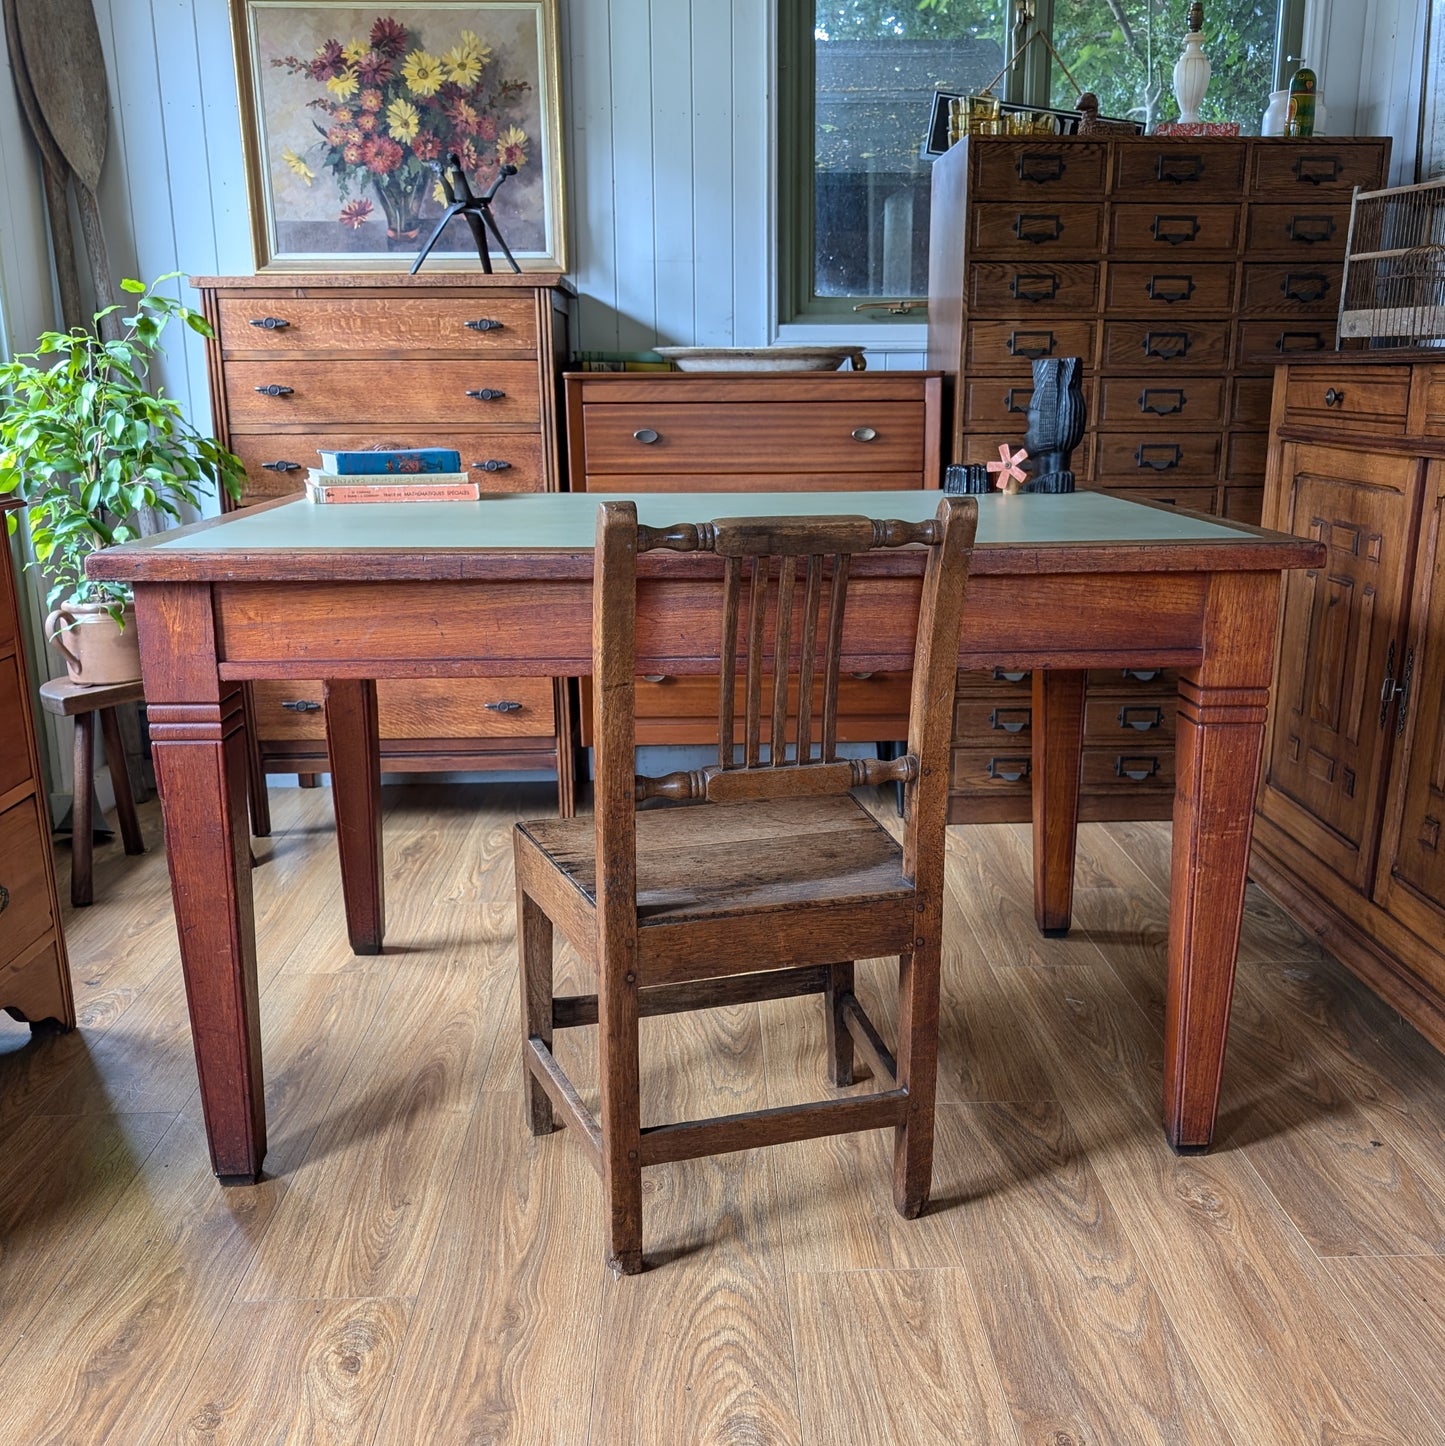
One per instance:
(416,1269)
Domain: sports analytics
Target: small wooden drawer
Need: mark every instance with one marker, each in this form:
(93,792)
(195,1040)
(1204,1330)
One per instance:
(1318,167)
(1127,722)
(1192,499)
(1434,380)
(1244,504)
(1014,347)
(1021,291)
(1144,288)
(1146,766)
(1245,454)
(993,722)
(1250,399)
(1038,228)
(983,447)
(277,462)
(997,683)
(608,482)
(289,711)
(14,700)
(24,884)
(377,325)
(284,391)
(1181,229)
(1003,770)
(1003,402)
(1150,458)
(1134,682)
(1143,402)
(1356,399)
(1029,169)
(1291,288)
(1163,347)
(1263,343)
(1183,168)
(1303,229)
(698,438)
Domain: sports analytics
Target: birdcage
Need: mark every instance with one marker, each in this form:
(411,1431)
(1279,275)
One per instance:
(1393,292)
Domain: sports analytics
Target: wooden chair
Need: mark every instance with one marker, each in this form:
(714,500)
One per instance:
(760,894)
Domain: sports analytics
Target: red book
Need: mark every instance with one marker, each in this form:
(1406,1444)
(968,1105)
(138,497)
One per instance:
(402,492)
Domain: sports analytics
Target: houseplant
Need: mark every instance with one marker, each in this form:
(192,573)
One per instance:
(88,442)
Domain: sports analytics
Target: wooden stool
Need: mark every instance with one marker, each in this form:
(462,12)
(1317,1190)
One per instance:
(71,700)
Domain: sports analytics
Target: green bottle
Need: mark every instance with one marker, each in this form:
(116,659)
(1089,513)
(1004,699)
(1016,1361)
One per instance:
(1301,117)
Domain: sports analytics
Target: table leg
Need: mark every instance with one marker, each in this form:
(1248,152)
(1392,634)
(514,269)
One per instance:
(1219,745)
(82,835)
(1058,742)
(120,782)
(352,741)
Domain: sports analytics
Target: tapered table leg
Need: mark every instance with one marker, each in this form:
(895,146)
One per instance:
(1219,744)
(352,741)
(1058,742)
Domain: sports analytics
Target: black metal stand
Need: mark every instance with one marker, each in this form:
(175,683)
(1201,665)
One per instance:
(475,210)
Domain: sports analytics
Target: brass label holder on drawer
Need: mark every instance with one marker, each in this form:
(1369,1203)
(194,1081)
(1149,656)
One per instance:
(1305,286)
(1034,286)
(1011,770)
(1170,294)
(1038,228)
(1310,229)
(1158,456)
(1138,767)
(1175,230)
(1311,169)
(1166,345)
(1179,169)
(1147,403)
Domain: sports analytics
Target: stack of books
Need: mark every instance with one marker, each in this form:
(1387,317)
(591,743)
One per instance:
(424,474)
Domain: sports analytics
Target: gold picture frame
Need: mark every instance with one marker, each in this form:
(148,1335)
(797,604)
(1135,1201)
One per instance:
(349,112)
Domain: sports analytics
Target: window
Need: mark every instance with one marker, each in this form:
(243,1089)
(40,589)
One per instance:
(857,85)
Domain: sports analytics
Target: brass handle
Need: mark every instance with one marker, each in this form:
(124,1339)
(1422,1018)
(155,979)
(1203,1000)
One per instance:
(1009,405)
(1290,342)
(1041,169)
(487,394)
(1003,675)
(1176,230)
(1032,344)
(1334,397)
(862,677)
(280,466)
(646,436)
(492,464)
(1166,345)
(301,705)
(1138,768)
(864,434)
(483,323)
(1038,230)
(1179,169)
(4,898)
(1160,456)
(1009,769)
(1159,289)
(1305,286)
(1147,402)
(270,323)
(1313,169)
(1141,675)
(1310,229)
(1039,286)
(1140,719)
(1011,720)
(275,389)
(503,705)
(654,677)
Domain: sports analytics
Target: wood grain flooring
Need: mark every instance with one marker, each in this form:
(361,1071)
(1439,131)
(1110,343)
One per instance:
(416,1268)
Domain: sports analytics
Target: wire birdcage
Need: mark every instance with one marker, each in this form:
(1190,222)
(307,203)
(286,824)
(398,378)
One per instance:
(1393,293)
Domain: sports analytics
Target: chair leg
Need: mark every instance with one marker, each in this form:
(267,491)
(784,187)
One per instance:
(534,949)
(82,840)
(617,1060)
(120,782)
(918,1074)
(840,1041)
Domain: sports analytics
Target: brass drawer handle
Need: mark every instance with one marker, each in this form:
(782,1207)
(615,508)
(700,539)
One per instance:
(1041,169)
(654,677)
(1305,286)
(1166,345)
(503,705)
(487,394)
(1004,675)
(861,677)
(1161,289)
(1009,769)
(270,323)
(1158,456)
(646,436)
(275,389)
(1151,400)
(864,434)
(1139,718)
(1011,720)
(301,705)
(1176,230)
(483,323)
(4,898)
(1289,342)
(1317,170)
(1334,397)
(1038,286)
(1011,406)
(1310,229)
(1137,768)
(1179,169)
(492,464)
(1141,675)
(1038,229)
(1032,344)
(280,466)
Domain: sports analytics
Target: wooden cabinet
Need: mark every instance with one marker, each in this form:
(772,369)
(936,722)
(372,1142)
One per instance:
(1350,835)
(675,432)
(34,972)
(1180,271)
(447,360)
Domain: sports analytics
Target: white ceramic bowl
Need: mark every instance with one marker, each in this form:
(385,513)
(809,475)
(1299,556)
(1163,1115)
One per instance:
(762,358)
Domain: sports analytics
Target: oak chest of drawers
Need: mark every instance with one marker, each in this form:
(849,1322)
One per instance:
(34,973)
(461,360)
(1181,272)
(754,432)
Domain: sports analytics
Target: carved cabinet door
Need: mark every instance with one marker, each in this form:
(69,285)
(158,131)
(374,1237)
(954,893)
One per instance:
(1412,854)
(1341,635)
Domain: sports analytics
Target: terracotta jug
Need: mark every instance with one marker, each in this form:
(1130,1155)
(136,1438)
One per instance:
(96,652)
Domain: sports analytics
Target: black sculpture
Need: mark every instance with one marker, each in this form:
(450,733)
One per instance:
(475,210)
(1056,422)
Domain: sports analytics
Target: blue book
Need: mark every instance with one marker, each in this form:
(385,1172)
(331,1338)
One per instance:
(392,462)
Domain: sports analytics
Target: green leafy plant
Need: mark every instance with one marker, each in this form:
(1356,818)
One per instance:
(88,442)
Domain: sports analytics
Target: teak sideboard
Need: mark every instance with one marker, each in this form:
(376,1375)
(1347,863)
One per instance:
(447,359)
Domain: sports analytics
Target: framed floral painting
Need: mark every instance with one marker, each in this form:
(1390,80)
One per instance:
(350,112)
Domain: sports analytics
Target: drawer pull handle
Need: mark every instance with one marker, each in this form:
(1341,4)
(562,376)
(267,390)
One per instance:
(483,323)
(1166,345)
(1317,170)
(1032,344)
(1175,230)
(1038,230)
(492,464)
(275,389)
(280,466)
(1011,720)
(1010,405)
(1179,169)
(654,677)
(1003,675)
(1142,720)
(1334,397)
(1041,169)
(1038,286)
(1310,229)
(1141,675)
(503,705)
(487,394)
(1137,768)
(1170,289)
(861,677)
(1009,769)
(4,898)
(1305,286)
(1158,456)
(301,705)
(646,436)
(1293,341)
(270,323)
(1402,697)
(864,434)
(1162,401)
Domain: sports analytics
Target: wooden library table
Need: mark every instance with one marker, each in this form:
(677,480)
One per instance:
(352,594)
